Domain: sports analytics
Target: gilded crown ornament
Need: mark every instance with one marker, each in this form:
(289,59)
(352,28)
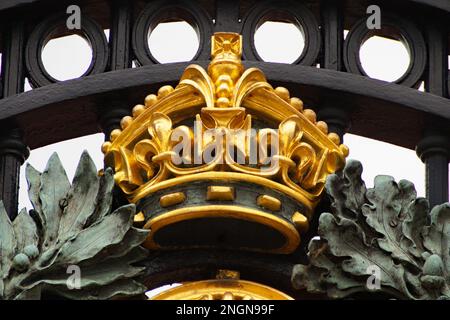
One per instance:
(225,153)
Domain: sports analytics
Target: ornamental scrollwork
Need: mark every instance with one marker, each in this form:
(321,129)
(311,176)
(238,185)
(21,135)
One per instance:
(227,119)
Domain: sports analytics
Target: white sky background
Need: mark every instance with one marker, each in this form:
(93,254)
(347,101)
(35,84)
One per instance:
(69,57)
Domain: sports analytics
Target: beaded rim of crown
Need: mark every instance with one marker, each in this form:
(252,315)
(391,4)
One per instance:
(225,97)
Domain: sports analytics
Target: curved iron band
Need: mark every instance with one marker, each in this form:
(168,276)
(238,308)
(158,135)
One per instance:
(92,32)
(292,11)
(375,104)
(409,33)
(158,11)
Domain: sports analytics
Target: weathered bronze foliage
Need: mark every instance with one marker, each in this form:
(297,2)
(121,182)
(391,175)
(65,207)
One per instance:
(71,224)
(387,227)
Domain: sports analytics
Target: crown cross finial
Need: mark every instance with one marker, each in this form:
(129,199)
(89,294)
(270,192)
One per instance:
(226,65)
(226,44)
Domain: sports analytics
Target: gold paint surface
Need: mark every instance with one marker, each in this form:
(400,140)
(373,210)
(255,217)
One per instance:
(227,274)
(139,219)
(224,97)
(224,211)
(220,193)
(222,290)
(172,199)
(301,222)
(268,202)
(227,98)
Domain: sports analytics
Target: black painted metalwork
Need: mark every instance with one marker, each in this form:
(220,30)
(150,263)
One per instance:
(120,35)
(43,32)
(293,12)
(172,266)
(227,16)
(335,115)
(13,151)
(407,32)
(159,11)
(433,149)
(112,111)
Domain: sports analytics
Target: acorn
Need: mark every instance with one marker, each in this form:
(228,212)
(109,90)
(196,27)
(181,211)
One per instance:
(433,266)
(433,273)
(31,251)
(21,262)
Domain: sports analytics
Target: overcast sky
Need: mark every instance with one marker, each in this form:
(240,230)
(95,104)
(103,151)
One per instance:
(69,57)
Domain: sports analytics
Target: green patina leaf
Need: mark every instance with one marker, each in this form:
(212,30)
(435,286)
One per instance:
(347,190)
(93,275)
(346,239)
(25,230)
(70,225)
(54,187)
(437,235)
(2,288)
(34,185)
(119,288)
(393,234)
(81,199)
(388,206)
(412,226)
(104,197)
(132,239)
(323,275)
(110,230)
(32,294)
(343,283)
(7,242)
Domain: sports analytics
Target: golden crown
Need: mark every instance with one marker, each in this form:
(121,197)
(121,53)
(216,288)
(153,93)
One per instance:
(188,203)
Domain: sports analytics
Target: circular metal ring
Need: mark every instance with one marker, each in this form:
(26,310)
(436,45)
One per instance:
(90,30)
(295,13)
(159,11)
(409,34)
